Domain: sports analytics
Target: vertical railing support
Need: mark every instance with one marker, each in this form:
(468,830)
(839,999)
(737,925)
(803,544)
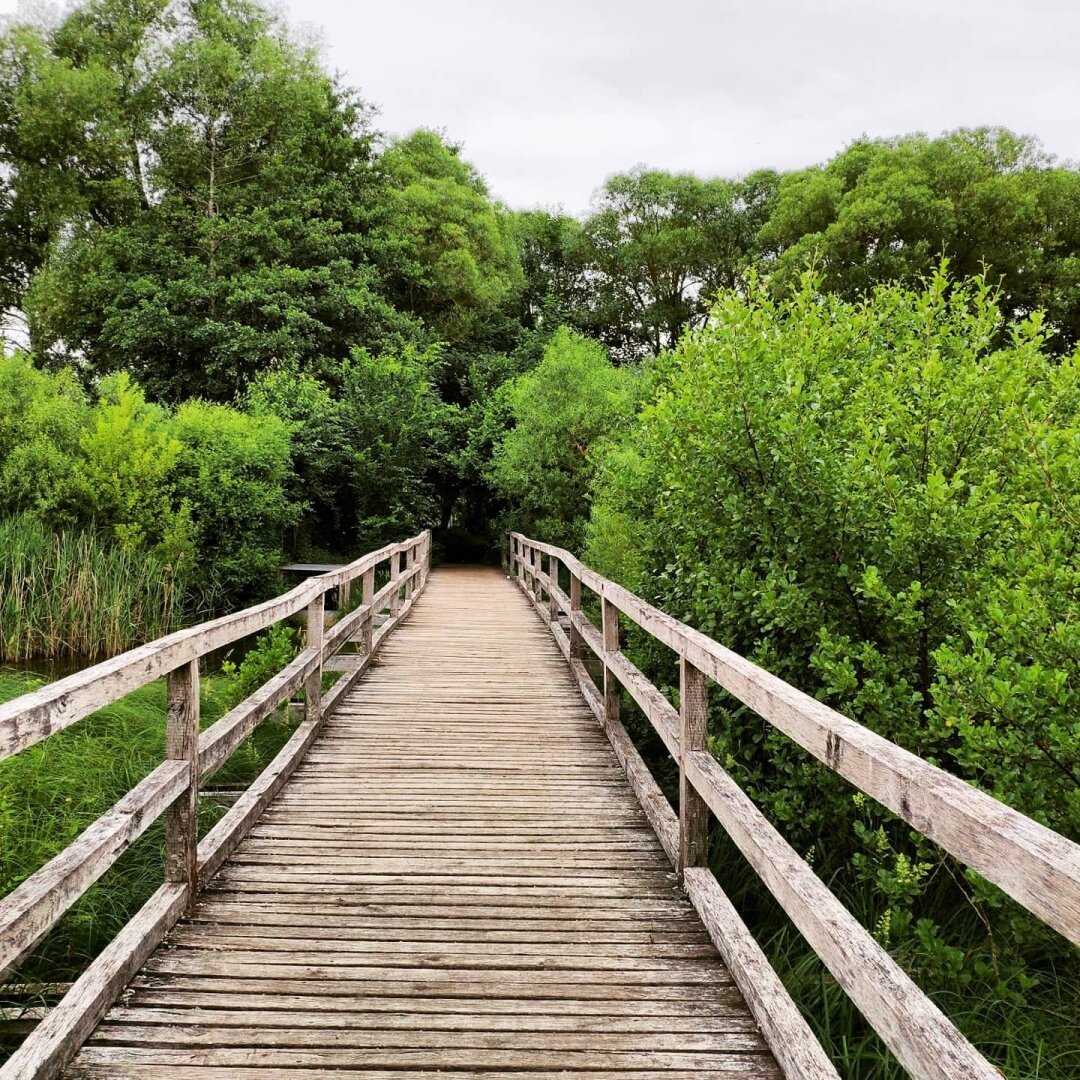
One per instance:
(313,687)
(520,561)
(609,615)
(368,598)
(395,576)
(344,596)
(553,584)
(693,811)
(577,642)
(182,744)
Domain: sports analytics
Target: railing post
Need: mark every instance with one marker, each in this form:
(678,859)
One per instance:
(693,811)
(577,642)
(369,619)
(395,575)
(553,584)
(182,744)
(344,595)
(313,686)
(609,615)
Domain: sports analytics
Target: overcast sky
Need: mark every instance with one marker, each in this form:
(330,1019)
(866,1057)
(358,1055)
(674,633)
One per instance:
(551,96)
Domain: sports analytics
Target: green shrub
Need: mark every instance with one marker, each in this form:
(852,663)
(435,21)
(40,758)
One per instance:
(880,503)
(558,414)
(230,475)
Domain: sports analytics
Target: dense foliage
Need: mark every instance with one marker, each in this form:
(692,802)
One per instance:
(193,497)
(877,501)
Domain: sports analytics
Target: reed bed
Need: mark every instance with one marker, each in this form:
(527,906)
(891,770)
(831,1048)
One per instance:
(79,593)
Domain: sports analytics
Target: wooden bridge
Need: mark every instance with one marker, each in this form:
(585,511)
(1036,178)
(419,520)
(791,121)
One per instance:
(459,865)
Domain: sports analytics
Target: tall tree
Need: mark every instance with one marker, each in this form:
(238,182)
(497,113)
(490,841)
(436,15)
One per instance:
(220,219)
(887,210)
(658,247)
(449,249)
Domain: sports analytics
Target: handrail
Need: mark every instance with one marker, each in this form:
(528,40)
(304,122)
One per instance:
(30,910)
(1036,866)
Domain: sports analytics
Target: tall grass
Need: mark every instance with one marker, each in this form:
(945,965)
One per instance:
(51,792)
(78,593)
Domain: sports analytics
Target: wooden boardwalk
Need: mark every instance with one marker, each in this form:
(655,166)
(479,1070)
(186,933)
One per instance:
(456,881)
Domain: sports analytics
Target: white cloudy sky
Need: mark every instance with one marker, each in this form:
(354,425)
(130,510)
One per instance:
(551,96)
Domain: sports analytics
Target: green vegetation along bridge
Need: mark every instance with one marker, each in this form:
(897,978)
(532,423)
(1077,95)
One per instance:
(451,869)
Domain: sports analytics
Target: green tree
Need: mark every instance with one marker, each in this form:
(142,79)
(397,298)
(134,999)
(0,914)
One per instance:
(888,210)
(557,416)
(214,217)
(449,249)
(365,450)
(657,248)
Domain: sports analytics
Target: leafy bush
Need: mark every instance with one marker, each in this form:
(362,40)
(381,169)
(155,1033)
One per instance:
(559,413)
(365,450)
(230,473)
(879,502)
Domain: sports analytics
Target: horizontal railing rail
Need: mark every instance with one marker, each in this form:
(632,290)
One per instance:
(30,910)
(1036,866)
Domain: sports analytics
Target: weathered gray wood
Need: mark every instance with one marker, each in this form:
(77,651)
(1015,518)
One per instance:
(227,833)
(610,639)
(30,910)
(553,586)
(220,740)
(693,812)
(911,1025)
(316,619)
(395,581)
(1036,866)
(57,1038)
(663,716)
(576,643)
(786,1031)
(487,898)
(368,602)
(182,744)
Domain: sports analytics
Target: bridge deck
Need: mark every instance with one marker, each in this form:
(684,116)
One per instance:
(456,881)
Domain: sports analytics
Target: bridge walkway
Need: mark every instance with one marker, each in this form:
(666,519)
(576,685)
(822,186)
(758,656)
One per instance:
(457,881)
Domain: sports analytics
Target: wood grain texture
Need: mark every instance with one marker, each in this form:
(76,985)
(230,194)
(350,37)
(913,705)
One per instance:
(456,880)
(182,744)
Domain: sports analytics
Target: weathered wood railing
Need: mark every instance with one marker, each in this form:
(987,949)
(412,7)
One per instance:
(35,906)
(1034,865)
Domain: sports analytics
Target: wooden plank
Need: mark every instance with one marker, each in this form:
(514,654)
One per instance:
(911,1025)
(218,742)
(316,621)
(794,1045)
(30,910)
(693,811)
(1036,866)
(222,839)
(27,719)
(486,896)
